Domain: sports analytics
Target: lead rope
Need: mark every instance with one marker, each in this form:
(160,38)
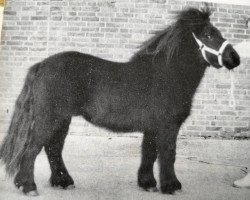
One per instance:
(232,97)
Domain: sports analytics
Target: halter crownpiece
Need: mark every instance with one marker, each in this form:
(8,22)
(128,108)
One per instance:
(205,48)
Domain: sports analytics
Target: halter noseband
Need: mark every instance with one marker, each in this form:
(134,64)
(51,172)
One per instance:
(205,48)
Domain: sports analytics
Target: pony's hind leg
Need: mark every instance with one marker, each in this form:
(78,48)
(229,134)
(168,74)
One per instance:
(60,176)
(24,179)
(44,134)
(146,178)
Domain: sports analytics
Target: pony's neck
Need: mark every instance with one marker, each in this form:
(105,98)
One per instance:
(185,69)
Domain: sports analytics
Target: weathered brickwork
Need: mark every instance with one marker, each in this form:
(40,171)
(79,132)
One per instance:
(113,29)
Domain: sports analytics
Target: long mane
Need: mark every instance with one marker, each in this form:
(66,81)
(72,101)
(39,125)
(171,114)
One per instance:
(172,38)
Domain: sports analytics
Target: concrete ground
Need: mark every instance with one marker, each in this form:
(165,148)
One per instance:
(106,168)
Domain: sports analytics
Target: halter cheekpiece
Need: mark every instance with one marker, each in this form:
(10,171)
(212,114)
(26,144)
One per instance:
(205,49)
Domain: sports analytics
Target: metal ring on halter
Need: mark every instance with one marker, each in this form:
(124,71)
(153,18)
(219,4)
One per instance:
(205,48)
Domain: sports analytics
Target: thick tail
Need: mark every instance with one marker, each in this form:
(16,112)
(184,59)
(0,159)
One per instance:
(19,133)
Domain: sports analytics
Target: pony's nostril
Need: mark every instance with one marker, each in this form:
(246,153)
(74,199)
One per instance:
(235,57)
(232,58)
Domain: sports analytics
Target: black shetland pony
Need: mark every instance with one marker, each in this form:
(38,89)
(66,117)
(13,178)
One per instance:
(152,93)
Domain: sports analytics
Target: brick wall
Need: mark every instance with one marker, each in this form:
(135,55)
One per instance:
(113,29)
(1,15)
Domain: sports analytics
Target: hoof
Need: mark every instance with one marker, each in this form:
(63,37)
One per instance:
(70,187)
(170,187)
(151,189)
(32,193)
(63,181)
(147,182)
(27,188)
(20,188)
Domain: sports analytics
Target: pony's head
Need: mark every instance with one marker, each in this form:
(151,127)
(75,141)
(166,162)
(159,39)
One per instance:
(191,32)
(214,49)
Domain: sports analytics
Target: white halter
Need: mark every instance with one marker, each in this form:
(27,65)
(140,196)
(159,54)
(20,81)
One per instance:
(205,48)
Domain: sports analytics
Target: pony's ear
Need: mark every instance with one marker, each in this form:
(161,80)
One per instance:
(207,9)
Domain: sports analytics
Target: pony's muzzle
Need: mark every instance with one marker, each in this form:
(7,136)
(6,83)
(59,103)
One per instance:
(230,57)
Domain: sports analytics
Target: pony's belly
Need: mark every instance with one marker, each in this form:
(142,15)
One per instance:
(118,120)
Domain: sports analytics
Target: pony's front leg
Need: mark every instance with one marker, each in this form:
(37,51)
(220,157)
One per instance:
(146,178)
(166,144)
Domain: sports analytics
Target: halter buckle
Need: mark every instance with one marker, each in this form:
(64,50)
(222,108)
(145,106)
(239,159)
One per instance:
(201,47)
